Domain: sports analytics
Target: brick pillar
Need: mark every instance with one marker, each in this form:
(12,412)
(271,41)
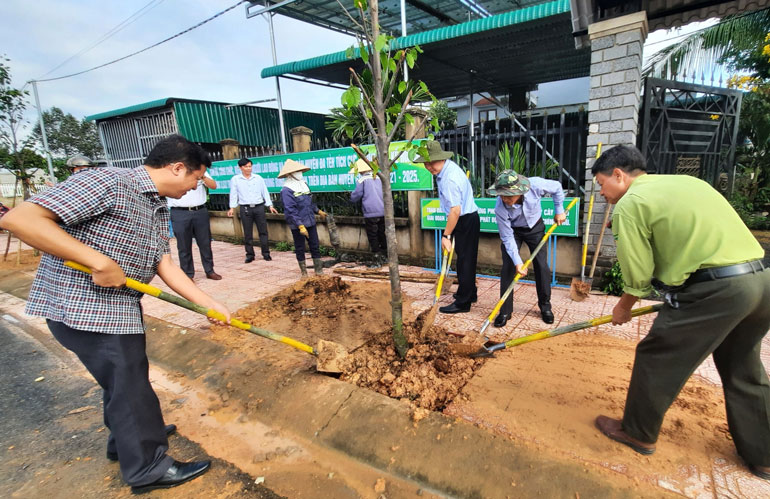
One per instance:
(230,149)
(613,106)
(300,138)
(413,197)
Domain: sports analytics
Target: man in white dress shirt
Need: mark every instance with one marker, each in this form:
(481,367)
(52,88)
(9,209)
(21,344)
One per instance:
(190,219)
(248,193)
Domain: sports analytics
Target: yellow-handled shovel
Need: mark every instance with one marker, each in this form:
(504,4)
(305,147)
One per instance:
(324,363)
(431,317)
(489,351)
(532,256)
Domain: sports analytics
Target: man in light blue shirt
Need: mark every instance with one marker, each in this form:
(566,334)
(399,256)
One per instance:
(248,192)
(456,199)
(519,220)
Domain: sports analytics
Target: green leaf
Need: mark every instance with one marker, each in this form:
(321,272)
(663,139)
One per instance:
(392,65)
(364,53)
(354,96)
(389,127)
(380,43)
(394,109)
(361,4)
(368,113)
(401,87)
(418,49)
(350,52)
(424,87)
(410,59)
(349,131)
(408,118)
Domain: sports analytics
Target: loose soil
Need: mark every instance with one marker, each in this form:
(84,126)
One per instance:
(548,393)
(28,260)
(356,314)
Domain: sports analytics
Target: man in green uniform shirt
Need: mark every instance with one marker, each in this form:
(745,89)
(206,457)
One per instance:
(675,232)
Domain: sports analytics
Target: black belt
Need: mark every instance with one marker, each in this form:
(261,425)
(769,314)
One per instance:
(713,273)
(188,208)
(251,205)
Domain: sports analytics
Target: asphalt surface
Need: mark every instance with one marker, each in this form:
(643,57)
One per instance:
(52,439)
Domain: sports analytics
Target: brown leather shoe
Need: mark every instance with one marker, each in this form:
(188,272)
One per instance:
(214,276)
(760,471)
(613,428)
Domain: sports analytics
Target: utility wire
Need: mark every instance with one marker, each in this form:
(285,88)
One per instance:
(112,32)
(147,48)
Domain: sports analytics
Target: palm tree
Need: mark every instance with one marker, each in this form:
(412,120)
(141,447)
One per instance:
(706,51)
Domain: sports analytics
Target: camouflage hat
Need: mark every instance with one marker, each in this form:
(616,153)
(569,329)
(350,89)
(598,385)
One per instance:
(509,183)
(79,160)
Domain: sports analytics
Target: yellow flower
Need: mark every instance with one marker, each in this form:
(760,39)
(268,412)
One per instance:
(714,117)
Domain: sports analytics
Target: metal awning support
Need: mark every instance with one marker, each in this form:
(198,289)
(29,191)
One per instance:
(269,16)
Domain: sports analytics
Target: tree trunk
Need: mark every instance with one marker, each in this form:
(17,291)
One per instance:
(383,144)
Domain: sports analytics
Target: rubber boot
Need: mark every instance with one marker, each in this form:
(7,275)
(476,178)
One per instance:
(318,266)
(303,269)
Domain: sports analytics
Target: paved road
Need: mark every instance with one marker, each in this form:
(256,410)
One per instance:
(52,440)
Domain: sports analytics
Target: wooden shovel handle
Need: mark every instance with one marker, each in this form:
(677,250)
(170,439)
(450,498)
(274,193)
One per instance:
(599,242)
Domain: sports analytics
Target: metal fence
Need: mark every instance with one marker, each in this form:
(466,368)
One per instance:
(553,146)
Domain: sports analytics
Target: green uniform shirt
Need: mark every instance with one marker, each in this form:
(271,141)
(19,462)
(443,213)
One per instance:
(668,226)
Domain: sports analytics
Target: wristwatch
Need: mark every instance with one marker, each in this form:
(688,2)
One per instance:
(448,236)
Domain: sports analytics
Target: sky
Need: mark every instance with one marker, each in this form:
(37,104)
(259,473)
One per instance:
(220,61)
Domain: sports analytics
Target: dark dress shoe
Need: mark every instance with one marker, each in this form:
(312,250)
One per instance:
(473,300)
(501,320)
(454,308)
(267,258)
(249,259)
(177,474)
(170,430)
(613,428)
(760,471)
(547,316)
(214,276)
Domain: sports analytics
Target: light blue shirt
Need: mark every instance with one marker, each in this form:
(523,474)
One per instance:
(454,189)
(526,214)
(250,190)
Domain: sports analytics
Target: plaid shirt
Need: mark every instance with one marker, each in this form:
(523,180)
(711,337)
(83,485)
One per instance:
(117,212)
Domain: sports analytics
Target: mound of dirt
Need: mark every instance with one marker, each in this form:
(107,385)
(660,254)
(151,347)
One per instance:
(429,377)
(27,261)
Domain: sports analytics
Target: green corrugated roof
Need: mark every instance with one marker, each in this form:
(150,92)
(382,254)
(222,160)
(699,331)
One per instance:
(210,122)
(255,126)
(524,15)
(130,109)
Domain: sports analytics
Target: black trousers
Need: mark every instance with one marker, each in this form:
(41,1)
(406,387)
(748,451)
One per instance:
(188,225)
(726,318)
(532,237)
(466,236)
(375,233)
(132,412)
(250,216)
(299,243)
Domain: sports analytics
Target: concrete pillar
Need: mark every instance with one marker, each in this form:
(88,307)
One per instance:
(416,249)
(613,106)
(418,115)
(230,149)
(300,138)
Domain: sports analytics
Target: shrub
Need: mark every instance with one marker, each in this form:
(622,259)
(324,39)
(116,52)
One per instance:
(614,285)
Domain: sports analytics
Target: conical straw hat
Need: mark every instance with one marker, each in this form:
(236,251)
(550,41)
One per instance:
(292,166)
(360,166)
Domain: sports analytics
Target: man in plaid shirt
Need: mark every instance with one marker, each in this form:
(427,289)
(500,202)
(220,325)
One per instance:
(115,221)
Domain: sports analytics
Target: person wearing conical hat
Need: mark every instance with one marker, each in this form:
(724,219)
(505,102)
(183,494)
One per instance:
(519,221)
(299,211)
(368,192)
(463,224)
(248,193)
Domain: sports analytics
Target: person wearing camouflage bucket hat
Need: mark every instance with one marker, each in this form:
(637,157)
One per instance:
(519,221)
(463,223)
(78,163)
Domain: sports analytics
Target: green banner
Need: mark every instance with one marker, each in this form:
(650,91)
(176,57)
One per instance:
(329,170)
(433,218)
